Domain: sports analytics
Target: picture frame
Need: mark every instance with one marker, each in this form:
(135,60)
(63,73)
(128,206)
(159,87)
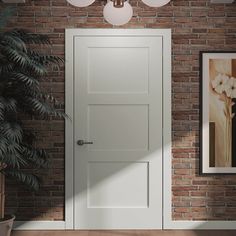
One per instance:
(217,112)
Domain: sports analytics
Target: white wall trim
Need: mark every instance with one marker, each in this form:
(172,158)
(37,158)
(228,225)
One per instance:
(172,225)
(69,130)
(201,225)
(39,225)
(166,35)
(166,125)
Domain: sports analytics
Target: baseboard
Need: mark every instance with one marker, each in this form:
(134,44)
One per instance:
(200,225)
(171,225)
(39,225)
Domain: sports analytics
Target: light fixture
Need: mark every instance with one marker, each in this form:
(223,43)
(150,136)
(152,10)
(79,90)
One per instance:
(81,3)
(118,12)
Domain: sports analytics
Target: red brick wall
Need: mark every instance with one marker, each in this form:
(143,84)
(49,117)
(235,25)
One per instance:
(196,25)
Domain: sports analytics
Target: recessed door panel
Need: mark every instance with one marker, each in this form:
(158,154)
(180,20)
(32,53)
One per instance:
(112,127)
(118,70)
(128,187)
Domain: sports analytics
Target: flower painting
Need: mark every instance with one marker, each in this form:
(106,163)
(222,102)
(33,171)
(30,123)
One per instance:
(218,108)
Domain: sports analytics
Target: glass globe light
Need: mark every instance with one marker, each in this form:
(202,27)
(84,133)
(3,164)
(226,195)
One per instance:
(117,16)
(81,3)
(156,3)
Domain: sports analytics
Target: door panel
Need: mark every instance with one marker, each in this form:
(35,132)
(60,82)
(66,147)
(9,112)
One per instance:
(113,128)
(106,192)
(116,72)
(118,107)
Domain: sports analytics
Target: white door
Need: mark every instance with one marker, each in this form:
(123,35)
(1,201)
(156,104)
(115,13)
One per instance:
(118,111)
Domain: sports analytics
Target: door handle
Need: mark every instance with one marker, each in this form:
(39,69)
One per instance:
(82,142)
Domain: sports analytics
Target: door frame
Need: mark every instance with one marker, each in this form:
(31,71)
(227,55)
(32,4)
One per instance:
(69,109)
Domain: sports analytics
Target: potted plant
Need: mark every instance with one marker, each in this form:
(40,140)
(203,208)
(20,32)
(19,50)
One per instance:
(21,69)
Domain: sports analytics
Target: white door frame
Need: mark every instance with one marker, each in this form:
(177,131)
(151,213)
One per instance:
(69,135)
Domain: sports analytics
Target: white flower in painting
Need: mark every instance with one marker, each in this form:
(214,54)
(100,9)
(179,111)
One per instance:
(219,83)
(230,87)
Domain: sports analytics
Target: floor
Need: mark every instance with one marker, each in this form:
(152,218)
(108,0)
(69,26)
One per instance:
(127,233)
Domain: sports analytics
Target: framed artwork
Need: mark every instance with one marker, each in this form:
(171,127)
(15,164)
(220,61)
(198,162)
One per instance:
(218,113)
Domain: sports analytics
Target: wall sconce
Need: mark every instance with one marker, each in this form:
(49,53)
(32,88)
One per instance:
(118,12)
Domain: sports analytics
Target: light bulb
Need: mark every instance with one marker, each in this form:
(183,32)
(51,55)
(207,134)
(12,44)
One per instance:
(81,3)
(156,3)
(117,16)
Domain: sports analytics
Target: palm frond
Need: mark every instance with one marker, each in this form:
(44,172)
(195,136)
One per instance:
(39,158)
(45,59)
(29,38)
(17,57)
(36,68)
(1,111)
(11,154)
(9,104)
(42,109)
(4,143)
(13,160)
(13,41)
(30,180)
(12,131)
(25,79)
(6,66)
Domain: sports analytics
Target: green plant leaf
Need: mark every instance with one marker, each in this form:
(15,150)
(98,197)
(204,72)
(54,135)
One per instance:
(39,158)
(8,104)
(4,143)
(17,57)
(45,59)
(12,131)
(43,109)
(11,40)
(27,80)
(11,154)
(30,180)
(6,66)
(30,38)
